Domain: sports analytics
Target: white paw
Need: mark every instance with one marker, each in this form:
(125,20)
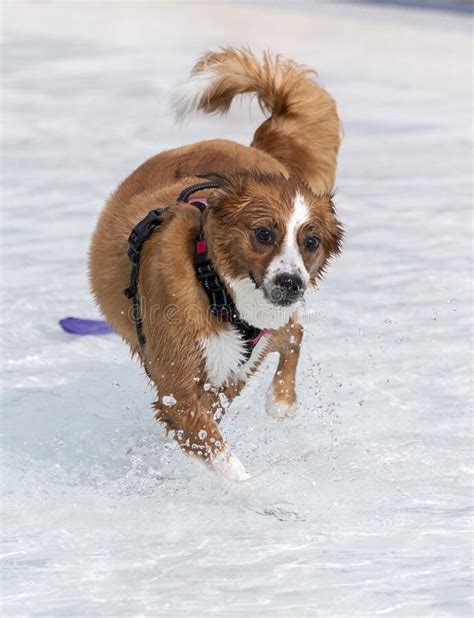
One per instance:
(226,465)
(278,409)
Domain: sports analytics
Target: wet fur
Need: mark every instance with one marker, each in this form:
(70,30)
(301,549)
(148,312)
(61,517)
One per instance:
(293,152)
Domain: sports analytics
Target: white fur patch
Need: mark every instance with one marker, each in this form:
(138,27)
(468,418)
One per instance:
(254,307)
(290,259)
(226,465)
(189,95)
(224,355)
(278,409)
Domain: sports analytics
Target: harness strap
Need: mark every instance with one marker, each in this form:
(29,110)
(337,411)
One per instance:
(137,237)
(221,304)
(200,186)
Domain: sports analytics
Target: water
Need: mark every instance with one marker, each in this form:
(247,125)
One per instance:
(358,507)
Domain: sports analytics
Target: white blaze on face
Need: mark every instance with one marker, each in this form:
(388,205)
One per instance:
(290,260)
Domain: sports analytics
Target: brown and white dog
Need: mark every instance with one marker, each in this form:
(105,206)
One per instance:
(270,229)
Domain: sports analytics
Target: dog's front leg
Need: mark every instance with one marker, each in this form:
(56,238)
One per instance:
(174,362)
(195,429)
(281,396)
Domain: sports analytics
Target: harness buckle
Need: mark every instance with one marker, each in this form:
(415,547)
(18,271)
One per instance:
(141,231)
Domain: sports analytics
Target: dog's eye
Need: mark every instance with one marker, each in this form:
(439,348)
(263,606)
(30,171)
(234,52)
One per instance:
(265,235)
(312,243)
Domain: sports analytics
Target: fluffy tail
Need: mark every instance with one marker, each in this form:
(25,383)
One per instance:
(302,131)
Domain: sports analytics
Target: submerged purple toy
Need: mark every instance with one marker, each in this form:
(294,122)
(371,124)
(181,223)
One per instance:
(78,326)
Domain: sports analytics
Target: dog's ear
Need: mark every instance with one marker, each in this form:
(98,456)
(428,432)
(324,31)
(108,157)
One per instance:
(227,200)
(335,236)
(335,232)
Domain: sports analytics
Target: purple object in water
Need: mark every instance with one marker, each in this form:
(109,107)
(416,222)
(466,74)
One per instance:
(78,326)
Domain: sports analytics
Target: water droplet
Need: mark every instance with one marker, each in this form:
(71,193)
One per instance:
(169,400)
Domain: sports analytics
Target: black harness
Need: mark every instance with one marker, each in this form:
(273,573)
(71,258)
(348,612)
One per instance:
(220,302)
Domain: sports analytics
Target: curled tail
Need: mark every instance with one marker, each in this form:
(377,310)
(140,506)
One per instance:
(302,131)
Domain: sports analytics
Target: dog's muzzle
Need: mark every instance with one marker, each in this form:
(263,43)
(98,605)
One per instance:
(286,289)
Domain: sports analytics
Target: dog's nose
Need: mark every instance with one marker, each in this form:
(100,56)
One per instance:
(287,288)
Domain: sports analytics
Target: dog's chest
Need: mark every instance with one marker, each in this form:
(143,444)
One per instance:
(225,357)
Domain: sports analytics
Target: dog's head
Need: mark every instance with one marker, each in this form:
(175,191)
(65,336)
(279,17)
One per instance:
(270,238)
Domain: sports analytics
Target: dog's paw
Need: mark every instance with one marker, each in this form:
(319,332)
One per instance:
(280,409)
(226,465)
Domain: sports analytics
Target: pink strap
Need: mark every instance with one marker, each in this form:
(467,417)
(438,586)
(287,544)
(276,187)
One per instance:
(261,334)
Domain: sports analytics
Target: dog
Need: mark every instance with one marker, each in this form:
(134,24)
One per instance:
(215,245)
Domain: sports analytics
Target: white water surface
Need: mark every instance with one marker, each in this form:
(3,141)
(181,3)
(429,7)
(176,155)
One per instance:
(358,507)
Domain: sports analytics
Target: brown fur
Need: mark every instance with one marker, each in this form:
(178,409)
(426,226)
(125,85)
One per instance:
(294,150)
(303,131)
